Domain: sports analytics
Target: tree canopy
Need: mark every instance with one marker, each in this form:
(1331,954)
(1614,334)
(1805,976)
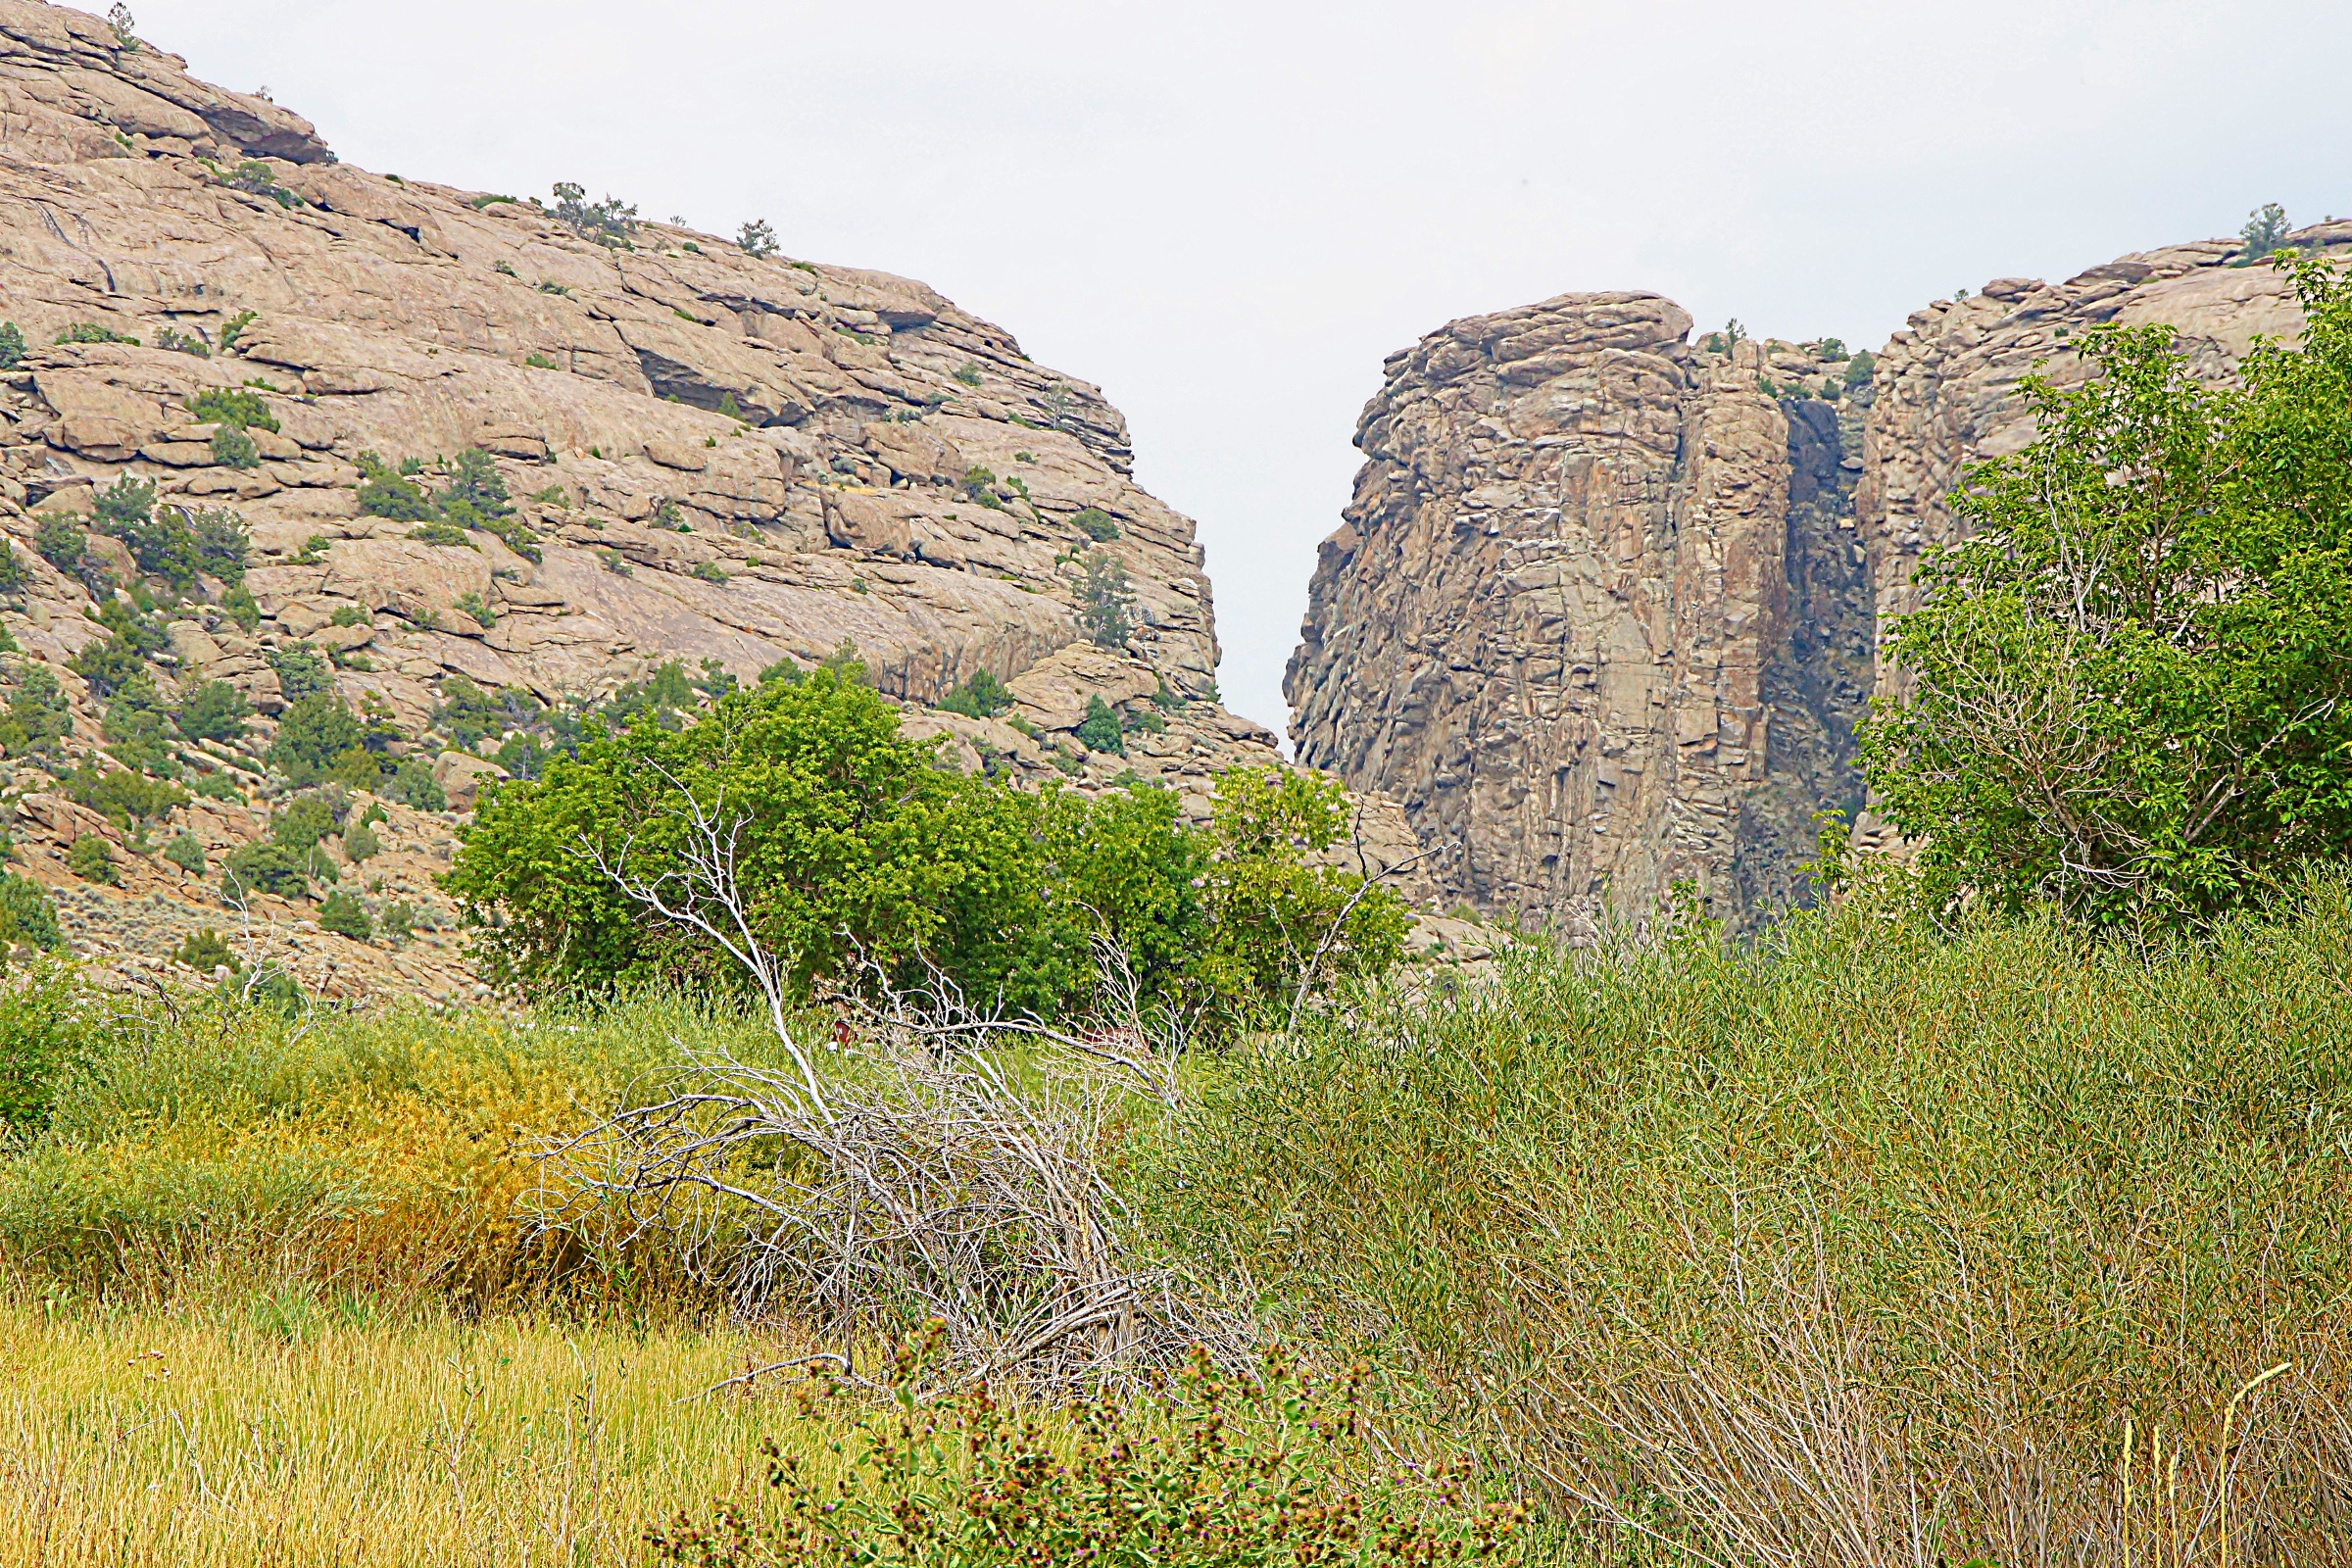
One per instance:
(2128,690)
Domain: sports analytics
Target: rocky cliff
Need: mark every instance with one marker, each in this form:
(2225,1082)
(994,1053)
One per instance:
(716,457)
(1605,605)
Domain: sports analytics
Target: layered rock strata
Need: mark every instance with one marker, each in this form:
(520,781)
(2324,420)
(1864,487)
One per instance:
(725,459)
(1606,605)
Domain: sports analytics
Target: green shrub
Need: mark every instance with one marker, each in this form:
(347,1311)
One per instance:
(46,1029)
(302,672)
(1639,1217)
(28,914)
(92,860)
(213,712)
(412,785)
(711,572)
(607,223)
(256,179)
(237,407)
(235,326)
(265,868)
(11,346)
(360,843)
(538,360)
(1203,1471)
(122,797)
(242,608)
(39,713)
(471,605)
(174,544)
(757,239)
(400,924)
(138,729)
(982,697)
(205,951)
(62,542)
(346,916)
(179,342)
(968,372)
(1100,730)
(314,733)
(92,332)
(980,485)
(1860,369)
(1105,602)
(187,853)
(390,494)
(440,533)
(232,448)
(1096,524)
(119,658)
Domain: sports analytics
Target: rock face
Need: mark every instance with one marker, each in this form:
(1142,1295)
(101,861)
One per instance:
(1557,624)
(721,458)
(1605,606)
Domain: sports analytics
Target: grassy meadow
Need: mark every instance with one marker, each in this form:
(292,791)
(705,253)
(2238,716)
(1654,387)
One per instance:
(1868,1244)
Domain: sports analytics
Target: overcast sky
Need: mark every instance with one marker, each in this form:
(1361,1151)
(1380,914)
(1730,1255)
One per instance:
(1227,213)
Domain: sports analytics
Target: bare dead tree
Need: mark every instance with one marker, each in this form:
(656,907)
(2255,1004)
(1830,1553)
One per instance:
(918,1174)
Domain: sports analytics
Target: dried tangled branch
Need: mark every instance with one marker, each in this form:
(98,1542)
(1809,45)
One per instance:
(945,1161)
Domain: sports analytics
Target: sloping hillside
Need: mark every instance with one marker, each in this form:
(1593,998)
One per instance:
(477,467)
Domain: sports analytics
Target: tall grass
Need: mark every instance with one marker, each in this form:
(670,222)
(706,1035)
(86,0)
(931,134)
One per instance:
(204,1152)
(1867,1246)
(289,1429)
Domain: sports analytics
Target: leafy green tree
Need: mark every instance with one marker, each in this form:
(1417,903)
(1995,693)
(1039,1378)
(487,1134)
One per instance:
(854,842)
(2130,691)
(45,1028)
(1284,923)
(39,715)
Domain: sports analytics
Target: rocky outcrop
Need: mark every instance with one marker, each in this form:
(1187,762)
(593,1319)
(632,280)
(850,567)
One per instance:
(1553,624)
(1605,606)
(725,459)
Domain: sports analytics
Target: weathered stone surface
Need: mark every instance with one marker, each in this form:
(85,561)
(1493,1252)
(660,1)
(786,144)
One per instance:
(723,459)
(1548,623)
(1606,605)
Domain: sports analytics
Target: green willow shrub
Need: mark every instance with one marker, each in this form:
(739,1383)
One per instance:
(45,1029)
(854,843)
(2130,690)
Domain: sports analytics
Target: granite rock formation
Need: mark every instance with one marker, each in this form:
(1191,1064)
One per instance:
(1605,605)
(721,458)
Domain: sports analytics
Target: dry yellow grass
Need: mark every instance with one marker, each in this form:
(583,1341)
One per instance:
(296,1438)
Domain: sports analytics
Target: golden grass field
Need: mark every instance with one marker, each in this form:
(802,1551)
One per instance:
(303,1438)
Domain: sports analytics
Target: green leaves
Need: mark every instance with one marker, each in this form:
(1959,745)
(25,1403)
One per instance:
(860,855)
(2129,689)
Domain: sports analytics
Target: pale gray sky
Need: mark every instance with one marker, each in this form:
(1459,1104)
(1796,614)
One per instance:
(1227,213)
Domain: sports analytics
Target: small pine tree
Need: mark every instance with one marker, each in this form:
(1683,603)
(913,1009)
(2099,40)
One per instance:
(346,916)
(185,853)
(1100,730)
(12,345)
(93,860)
(205,951)
(757,239)
(1104,598)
